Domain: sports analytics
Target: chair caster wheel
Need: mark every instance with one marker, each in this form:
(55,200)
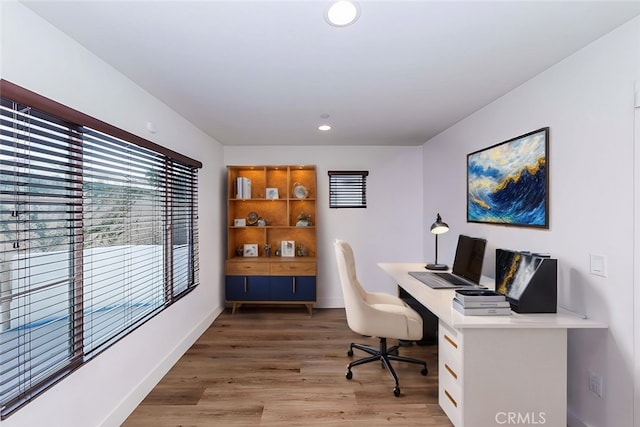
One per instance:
(396,391)
(350,353)
(424,371)
(349,375)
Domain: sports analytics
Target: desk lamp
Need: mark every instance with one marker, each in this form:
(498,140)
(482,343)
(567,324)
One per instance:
(438,227)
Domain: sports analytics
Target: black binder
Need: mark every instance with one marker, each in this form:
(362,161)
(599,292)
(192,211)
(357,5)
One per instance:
(528,281)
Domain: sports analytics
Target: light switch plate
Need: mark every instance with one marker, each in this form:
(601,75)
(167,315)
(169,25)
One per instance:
(598,265)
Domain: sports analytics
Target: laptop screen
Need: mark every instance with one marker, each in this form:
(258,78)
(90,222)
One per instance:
(469,257)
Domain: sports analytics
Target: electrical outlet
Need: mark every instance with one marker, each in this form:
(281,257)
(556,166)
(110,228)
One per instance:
(595,383)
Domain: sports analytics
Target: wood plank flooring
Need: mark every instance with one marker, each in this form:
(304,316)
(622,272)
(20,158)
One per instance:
(270,366)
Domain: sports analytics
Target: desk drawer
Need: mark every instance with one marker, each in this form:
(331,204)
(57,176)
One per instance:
(450,346)
(450,381)
(450,370)
(449,400)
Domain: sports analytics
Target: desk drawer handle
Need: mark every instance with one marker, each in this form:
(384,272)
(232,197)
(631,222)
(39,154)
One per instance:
(451,398)
(451,341)
(451,371)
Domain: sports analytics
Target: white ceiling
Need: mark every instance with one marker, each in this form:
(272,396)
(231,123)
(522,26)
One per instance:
(263,72)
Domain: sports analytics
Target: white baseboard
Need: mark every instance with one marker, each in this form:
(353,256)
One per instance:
(574,421)
(131,401)
(330,303)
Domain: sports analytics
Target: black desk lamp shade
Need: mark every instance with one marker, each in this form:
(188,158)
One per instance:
(438,227)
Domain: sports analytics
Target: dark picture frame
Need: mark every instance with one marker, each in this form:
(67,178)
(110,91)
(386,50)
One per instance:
(508,183)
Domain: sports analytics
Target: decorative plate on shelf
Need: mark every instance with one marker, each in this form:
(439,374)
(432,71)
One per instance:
(300,191)
(252,218)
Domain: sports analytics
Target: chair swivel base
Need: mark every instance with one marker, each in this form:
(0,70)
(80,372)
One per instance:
(385,355)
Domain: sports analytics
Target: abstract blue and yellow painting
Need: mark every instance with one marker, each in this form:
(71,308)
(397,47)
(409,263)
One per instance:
(508,182)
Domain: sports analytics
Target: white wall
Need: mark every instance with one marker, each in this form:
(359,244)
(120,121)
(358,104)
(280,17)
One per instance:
(587,101)
(389,229)
(38,57)
(636,250)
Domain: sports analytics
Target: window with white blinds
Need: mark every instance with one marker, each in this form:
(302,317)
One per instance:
(348,189)
(97,235)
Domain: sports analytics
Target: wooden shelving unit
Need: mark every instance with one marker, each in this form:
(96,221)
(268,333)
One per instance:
(269,277)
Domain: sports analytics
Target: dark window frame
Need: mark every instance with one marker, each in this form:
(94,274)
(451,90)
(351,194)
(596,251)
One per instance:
(348,189)
(175,193)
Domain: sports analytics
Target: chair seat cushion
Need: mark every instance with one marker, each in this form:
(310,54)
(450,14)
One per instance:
(408,329)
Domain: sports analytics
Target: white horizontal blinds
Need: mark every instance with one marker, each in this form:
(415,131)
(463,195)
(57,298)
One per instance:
(124,198)
(40,232)
(182,190)
(348,189)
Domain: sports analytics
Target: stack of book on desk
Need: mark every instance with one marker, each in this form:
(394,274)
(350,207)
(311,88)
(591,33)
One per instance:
(481,302)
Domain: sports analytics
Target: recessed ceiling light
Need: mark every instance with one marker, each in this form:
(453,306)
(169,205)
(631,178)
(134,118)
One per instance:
(342,13)
(324,128)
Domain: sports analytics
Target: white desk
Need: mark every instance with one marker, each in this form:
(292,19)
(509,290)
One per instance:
(496,370)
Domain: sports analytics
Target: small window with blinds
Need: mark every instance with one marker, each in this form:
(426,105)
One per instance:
(348,189)
(97,235)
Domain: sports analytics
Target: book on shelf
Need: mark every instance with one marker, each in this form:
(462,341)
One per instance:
(246,189)
(239,187)
(465,295)
(243,188)
(480,311)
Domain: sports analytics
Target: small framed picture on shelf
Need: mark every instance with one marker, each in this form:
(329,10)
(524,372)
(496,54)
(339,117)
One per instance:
(250,249)
(239,222)
(272,193)
(288,248)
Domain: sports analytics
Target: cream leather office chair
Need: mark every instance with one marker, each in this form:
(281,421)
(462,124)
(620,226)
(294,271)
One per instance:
(375,314)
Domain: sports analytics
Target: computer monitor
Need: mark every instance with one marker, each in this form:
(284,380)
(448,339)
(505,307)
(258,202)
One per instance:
(469,257)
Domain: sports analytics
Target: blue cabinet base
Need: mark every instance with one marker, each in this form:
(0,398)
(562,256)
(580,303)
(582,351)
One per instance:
(270,290)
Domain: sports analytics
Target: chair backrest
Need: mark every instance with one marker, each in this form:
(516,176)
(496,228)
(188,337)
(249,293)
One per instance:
(355,297)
